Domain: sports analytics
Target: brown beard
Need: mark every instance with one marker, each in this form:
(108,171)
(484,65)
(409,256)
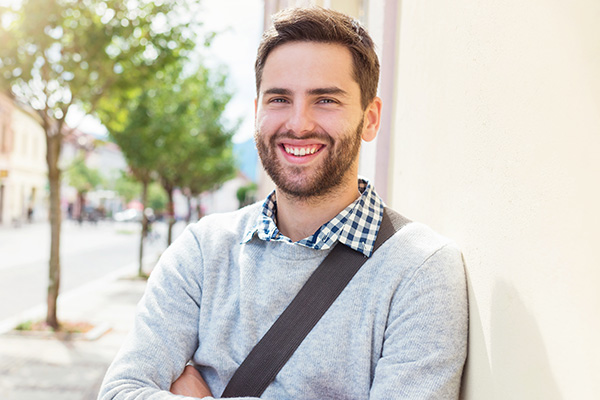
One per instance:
(324,180)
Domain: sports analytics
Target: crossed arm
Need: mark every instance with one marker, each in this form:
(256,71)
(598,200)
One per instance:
(191,384)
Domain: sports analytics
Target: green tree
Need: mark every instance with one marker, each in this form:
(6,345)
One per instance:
(157,198)
(247,194)
(127,187)
(128,117)
(60,53)
(210,160)
(197,152)
(215,168)
(174,131)
(83,179)
(139,156)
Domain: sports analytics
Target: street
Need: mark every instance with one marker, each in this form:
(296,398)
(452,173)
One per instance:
(88,253)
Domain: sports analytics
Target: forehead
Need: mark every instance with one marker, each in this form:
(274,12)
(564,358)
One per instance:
(309,65)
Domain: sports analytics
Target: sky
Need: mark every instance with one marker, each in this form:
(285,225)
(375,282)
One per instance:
(240,23)
(239,27)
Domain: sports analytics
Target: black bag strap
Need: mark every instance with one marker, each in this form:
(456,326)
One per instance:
(325,284)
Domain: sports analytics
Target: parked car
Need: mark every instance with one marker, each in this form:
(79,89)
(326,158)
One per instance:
(129,215)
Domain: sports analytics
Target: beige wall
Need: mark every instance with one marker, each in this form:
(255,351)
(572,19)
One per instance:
(25,161)
(350,7)
(497,145)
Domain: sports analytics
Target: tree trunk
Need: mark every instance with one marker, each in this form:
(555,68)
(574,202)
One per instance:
(144,228)
(54,143)
(189,205)
(171,213)
(81,201)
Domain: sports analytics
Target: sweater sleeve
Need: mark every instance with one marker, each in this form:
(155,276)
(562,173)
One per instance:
(165,333)
(425,341)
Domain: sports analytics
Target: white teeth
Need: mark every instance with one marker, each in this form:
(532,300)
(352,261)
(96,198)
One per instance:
(299,152)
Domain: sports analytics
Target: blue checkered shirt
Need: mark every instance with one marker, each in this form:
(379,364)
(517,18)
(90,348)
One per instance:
(356,226)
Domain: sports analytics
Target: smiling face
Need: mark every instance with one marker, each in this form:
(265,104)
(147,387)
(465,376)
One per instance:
(309,120)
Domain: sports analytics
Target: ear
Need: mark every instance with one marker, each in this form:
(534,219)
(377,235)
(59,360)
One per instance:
(372,120)
(255,108)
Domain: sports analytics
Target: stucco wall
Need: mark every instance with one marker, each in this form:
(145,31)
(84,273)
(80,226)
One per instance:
(497,145)
(24,157)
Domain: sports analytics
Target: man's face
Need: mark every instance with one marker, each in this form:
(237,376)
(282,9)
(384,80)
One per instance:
(309,119)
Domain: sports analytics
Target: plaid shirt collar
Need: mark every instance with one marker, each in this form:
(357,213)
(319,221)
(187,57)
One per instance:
(356,226)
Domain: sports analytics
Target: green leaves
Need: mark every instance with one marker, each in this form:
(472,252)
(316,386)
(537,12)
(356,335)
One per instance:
(59,52)
(82,177)
(174,129)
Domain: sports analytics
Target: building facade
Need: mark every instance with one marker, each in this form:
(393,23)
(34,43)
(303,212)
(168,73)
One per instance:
(23,167)
(99,154)
(23,171)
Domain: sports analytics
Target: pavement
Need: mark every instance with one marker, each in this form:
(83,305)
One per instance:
(36,367)
(45,366)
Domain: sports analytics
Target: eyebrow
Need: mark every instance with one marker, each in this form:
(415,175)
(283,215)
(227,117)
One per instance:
(279,91)
(334,90)
(328,90)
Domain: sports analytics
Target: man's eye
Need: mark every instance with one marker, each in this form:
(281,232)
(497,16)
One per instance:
(327,101)
(278,100)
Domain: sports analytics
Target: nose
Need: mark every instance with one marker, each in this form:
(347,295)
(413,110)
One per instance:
(300,119)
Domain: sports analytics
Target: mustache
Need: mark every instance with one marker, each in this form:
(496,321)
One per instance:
(320,136)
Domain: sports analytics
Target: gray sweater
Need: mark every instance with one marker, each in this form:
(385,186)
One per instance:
(397,331)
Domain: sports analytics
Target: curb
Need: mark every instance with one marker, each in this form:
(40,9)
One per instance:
(39,311)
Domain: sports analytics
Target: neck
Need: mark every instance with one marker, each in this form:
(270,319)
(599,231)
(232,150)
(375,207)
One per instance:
(299,218)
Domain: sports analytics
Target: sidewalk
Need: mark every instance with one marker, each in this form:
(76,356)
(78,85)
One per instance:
(33,368)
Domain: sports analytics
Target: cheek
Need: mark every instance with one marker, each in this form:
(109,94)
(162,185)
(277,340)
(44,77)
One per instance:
(268,124)
(264,121)
(335,122)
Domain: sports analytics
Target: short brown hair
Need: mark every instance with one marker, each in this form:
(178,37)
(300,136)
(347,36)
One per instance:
(317,24)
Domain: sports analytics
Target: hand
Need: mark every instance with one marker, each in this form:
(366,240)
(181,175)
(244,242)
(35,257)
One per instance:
(191,384)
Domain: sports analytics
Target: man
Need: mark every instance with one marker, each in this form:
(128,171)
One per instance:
(398,330)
